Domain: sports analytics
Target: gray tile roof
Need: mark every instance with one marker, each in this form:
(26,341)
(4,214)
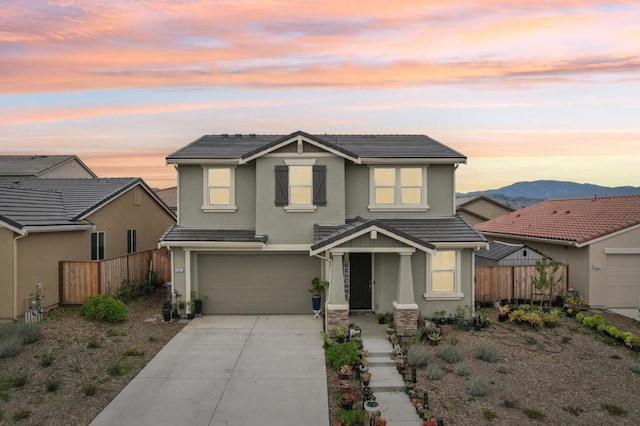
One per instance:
(498,250)
(80,196)
(177,233)
(422,231)
(21,207)
(369,146)
(32,165)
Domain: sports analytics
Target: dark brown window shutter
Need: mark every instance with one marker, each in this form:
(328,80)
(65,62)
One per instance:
(282,185)
(320,185)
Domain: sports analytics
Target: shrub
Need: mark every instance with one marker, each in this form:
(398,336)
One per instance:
(532,413)
(21,415)
(503,369)
(479,387)
(489,414)
(434,372)
(118,369)
(350,417)
(89,389)
(113,332)
(451,353)
(18,381)
(28,332)
(46,361)
(614,410)
(52,384)
(418,356)
(10,346)
(341,354)
(508,403)
(487,352)
(635,368)
(93,344)
(132,352)
(463,371)
(104,308)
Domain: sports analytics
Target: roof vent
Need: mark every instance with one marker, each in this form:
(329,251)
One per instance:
(554,212)
(567,212)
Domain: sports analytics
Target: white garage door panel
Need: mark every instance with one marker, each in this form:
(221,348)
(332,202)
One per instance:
(623,280)
(256,284)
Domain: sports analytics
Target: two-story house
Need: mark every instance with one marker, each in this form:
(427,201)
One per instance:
(259,216)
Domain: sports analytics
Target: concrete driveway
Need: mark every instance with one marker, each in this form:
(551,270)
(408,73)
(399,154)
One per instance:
(230,371)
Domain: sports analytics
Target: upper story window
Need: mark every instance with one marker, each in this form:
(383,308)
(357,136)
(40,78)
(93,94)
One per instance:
(395,188)
(300,185)
(97,245)
(219,189)
(132,241)
(444,280)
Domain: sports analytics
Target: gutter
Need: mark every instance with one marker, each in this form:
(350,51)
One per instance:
(58,228)
(536,239)
(15,274)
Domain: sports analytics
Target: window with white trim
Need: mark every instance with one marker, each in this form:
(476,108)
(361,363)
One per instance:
(397,188)
(97,245)
(219,189)
(443,275)
(300,185)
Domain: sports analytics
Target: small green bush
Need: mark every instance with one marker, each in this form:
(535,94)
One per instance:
(89,389)
(18,381)
(113,332)
(479,386)
(434,372)
(52,384)
(152,339)
(463,371)
(451,353)
(21,415)
(351,417)
(132,352)
(487,352)
(489,414)
(342,353)
(46,361)
(10,346)
(614,410)
(29,332)
(635,368)
(104,308)
(93,344)
(508,403)
(503,369)
(532,413)
(119,369)
(418,356)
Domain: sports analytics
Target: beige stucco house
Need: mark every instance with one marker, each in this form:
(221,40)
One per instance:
(45,221)
(598,237)
(259,216)
(44,167)
(479,208)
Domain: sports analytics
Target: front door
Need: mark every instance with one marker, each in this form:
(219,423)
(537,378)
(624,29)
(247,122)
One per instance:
(360,281)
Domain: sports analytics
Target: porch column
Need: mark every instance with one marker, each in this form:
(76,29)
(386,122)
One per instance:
(405,309)
(337,308)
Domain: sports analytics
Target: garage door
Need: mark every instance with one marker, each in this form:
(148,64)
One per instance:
(256,283)
(623,280)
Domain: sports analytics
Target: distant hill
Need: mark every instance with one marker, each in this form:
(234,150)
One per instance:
(522,194)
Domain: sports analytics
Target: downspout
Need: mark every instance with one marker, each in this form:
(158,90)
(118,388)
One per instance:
(15,274)
(455,207)
(330,262)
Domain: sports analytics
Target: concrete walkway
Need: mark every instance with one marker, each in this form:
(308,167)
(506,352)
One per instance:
(628,312)
(230,371)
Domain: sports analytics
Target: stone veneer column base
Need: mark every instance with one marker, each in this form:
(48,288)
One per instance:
(337,315)
(405,319)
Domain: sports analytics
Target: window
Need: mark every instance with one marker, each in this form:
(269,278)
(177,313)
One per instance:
(97,245)
(300,185)
(444,278)
(395,188)
(219,189)
(132,240)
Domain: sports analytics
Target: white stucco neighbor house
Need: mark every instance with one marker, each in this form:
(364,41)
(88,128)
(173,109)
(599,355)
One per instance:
(259,216)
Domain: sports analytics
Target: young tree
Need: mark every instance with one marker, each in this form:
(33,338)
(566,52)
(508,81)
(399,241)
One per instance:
(545,279)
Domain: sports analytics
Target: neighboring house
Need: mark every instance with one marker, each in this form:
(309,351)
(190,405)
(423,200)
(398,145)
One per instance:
(505,254)
(43,166)
(261,215)
(480,208)
(170,197)
(45,221)
(598,237)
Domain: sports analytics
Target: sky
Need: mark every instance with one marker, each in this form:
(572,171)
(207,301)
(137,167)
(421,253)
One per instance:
(527,90)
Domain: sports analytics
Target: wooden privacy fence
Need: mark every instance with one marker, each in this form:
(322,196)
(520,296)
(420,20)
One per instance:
(79,280)
(514,282)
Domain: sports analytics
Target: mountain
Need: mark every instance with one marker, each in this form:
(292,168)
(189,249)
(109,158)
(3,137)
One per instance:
(522,194)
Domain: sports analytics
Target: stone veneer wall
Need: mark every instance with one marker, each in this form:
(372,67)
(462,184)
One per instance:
(337,317)
(405,321)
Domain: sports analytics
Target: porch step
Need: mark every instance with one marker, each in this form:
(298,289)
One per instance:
(377,346)
(396,408)
(385,379)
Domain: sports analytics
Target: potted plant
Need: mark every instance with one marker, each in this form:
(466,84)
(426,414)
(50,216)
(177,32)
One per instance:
(166,310)
(339,332)
(503,312)
(316,289)
(344,372)
(195,303)
(434,336)
(380,319)
(551,319)
(366,377)
(347,400)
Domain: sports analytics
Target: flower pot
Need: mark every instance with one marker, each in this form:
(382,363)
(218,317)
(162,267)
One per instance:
(503,318)
(381,320)
(315,302)
(197,307)
(166,314)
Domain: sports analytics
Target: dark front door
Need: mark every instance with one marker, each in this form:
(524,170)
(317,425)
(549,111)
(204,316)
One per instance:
(360,281)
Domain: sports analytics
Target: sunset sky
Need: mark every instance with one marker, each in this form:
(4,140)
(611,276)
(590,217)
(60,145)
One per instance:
(527,90)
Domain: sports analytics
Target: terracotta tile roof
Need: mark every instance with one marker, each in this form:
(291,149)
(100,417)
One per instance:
(169,196)
(579,220)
